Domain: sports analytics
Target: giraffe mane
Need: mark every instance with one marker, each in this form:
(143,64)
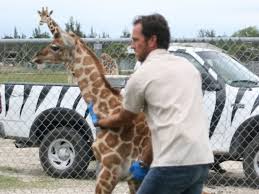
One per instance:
(99,67)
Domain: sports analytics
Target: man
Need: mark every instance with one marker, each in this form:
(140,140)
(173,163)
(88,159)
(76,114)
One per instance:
(169,90)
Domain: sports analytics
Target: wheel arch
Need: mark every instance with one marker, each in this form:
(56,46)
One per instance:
(58,117)
(244,134)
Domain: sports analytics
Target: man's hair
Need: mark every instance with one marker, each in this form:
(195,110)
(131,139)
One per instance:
(155,24)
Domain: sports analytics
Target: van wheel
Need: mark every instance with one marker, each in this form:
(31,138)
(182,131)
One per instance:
(251,161)
(64,153)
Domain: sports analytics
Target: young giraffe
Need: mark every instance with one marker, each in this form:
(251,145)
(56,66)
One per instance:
(45,18)
(114,149)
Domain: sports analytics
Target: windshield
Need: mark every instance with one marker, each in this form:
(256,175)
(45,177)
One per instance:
(230,70)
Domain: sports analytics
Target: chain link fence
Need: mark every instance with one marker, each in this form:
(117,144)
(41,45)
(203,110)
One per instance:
(46,132)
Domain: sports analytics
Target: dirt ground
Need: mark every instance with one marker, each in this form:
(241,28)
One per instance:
(21,173)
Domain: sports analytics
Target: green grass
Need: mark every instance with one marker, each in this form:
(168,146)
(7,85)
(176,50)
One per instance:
(8,169)
(10,182)
(34,77)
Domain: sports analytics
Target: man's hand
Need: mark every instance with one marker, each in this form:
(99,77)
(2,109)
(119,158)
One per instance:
(94,116)
(138,171)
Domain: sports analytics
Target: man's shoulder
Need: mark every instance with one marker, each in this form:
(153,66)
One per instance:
(138,75)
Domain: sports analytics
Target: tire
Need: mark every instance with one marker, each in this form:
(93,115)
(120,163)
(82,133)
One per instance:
(251,162)
(64,153)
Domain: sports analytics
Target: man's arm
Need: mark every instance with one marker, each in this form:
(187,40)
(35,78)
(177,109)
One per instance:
(123,118)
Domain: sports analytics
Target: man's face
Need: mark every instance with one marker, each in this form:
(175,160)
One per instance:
(139,44)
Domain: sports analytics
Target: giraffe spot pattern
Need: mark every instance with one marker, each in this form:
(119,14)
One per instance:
(78,72)
(94,76)
(89,97)
(101,134)
(105,93)
(88,60)
(105,175)
(137,139)
(112,140)
(104,149)
(135,153)
(98,83)
(83,84)
(127,135)
(106,184)
(96,153)
(124,150)
(140,128)
(88,70)
(95,91)
(98,189)
(78,60)
(103,107)
(111,160)
(113,102)
(145,141)
(78,50)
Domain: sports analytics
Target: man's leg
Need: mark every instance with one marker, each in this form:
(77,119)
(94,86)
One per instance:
(174,180)
(198,180)
(155,183)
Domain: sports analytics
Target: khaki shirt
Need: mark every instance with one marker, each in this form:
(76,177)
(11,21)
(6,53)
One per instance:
(168,89)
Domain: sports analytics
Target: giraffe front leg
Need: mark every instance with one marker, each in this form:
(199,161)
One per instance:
(106,180)
(133,186)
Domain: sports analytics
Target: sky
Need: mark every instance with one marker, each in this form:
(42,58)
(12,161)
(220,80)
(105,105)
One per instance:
(185,17)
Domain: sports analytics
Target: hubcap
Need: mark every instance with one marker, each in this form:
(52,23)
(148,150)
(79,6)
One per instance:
(256,163)
(61,154)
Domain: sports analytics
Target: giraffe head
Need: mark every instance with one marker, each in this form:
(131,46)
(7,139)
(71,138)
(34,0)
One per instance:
(44,15)
(67,49)
(59,51)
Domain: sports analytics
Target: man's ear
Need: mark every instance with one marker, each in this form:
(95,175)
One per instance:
(153,41)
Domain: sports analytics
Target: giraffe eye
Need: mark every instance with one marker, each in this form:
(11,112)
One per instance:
(54,47)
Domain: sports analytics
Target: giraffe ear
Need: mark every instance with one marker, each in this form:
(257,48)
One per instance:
(50,12)
(68,40)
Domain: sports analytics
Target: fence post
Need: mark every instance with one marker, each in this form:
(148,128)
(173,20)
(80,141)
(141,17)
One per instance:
(98,48)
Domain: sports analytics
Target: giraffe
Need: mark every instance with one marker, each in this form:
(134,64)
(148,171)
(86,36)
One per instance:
(110,65)
(114,149)
(45,18)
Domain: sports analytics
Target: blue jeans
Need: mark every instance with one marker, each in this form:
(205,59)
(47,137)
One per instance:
(174,180)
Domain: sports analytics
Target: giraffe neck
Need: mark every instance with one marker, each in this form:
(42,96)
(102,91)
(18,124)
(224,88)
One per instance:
(53,26)
(92,83)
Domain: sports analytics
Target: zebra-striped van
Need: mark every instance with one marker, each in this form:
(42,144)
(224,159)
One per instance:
(54,118)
